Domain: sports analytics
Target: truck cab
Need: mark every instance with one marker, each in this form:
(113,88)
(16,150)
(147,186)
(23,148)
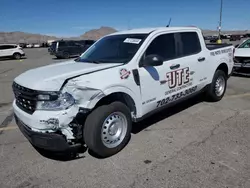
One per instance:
(122,78)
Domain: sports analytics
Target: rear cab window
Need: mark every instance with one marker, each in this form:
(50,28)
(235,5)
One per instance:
(190,43)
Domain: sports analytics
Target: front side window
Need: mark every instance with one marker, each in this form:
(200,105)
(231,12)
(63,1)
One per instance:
(190,43)
(114,49)
(246,44)
(163,46)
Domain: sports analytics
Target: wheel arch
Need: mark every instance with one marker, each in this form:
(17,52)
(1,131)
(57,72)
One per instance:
(16,53)
(121,94)
(223,66)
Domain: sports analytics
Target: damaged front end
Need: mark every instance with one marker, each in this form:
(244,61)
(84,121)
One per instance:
(56,122)
(241,66)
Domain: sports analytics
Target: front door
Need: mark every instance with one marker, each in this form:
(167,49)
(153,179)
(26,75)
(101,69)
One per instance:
(154,80)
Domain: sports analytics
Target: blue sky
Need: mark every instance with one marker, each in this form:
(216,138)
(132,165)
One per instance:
(74,17)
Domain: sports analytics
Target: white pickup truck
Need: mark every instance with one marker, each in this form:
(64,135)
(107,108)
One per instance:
(123,78)
(242,58)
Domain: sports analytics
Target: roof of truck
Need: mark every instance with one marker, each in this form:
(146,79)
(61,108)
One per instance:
(149,30)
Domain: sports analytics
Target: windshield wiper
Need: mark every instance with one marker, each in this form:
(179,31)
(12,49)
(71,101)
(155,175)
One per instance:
(87,61)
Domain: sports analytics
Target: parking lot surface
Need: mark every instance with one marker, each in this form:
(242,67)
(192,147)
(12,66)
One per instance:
(195,144)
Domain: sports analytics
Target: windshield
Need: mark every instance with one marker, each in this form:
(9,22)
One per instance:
(114,49)
(246,44)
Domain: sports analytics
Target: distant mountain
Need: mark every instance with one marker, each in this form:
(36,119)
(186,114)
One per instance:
(95,34)
(21,37)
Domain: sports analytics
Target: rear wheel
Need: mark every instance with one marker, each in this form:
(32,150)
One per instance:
(66,55)
(107,129)
(17,55)
(217,88)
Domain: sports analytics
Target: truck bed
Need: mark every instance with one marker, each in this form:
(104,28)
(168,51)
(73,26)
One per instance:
(217,46)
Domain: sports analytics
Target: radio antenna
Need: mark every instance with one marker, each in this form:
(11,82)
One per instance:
(169,22)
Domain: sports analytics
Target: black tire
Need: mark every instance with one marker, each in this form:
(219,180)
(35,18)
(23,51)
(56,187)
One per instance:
(93,129)
(66,55)
(211,91)
(17,56)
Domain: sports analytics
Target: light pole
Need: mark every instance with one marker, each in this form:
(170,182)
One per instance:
(221,4)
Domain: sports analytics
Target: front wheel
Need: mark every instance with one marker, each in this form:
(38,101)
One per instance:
(17,56)
(217,88)
(107,129)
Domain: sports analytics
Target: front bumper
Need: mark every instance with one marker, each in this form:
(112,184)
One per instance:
(41,132)
(47,141)
(241,65)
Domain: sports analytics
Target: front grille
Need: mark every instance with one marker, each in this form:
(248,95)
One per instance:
(243,60)
(26,99)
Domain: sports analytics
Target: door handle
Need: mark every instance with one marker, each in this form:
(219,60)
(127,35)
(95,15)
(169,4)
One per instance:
(201,59)
(176,66)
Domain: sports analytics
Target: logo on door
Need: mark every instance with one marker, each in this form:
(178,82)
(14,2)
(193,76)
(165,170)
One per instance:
(178,77)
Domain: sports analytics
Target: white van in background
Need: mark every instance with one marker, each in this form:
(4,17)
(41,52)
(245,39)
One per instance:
(11,50)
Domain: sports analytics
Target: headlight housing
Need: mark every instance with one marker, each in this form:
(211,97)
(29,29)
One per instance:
(63,102)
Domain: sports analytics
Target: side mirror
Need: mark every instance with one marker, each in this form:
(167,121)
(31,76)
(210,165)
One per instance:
(152,60)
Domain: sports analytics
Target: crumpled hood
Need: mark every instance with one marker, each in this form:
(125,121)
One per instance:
(51,77)
(242,52)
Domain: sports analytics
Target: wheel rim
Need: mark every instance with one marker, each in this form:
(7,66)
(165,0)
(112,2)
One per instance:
(114,129)
(17,56)
(220,86)
(66,55)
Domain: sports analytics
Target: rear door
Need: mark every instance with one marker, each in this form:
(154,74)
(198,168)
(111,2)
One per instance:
(194,58)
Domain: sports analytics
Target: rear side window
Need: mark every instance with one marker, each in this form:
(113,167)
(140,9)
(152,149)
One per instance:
(190,43)
(62,44)
(5,47)
(164,46)
(71,43)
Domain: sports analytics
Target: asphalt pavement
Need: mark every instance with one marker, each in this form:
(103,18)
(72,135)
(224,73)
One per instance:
(194,144)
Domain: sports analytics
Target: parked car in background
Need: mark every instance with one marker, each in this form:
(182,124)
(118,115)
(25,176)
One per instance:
(30,46)
(22,45)
(235,37)
(213,39)
(69,48)
(242,58)
(11,51)
(37,46)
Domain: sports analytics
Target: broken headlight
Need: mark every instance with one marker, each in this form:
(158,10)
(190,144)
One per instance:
(64,101)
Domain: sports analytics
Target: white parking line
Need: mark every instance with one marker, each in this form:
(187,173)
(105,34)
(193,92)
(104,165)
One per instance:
(12,127)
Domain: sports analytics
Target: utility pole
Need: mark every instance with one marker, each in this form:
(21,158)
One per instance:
(221,4)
